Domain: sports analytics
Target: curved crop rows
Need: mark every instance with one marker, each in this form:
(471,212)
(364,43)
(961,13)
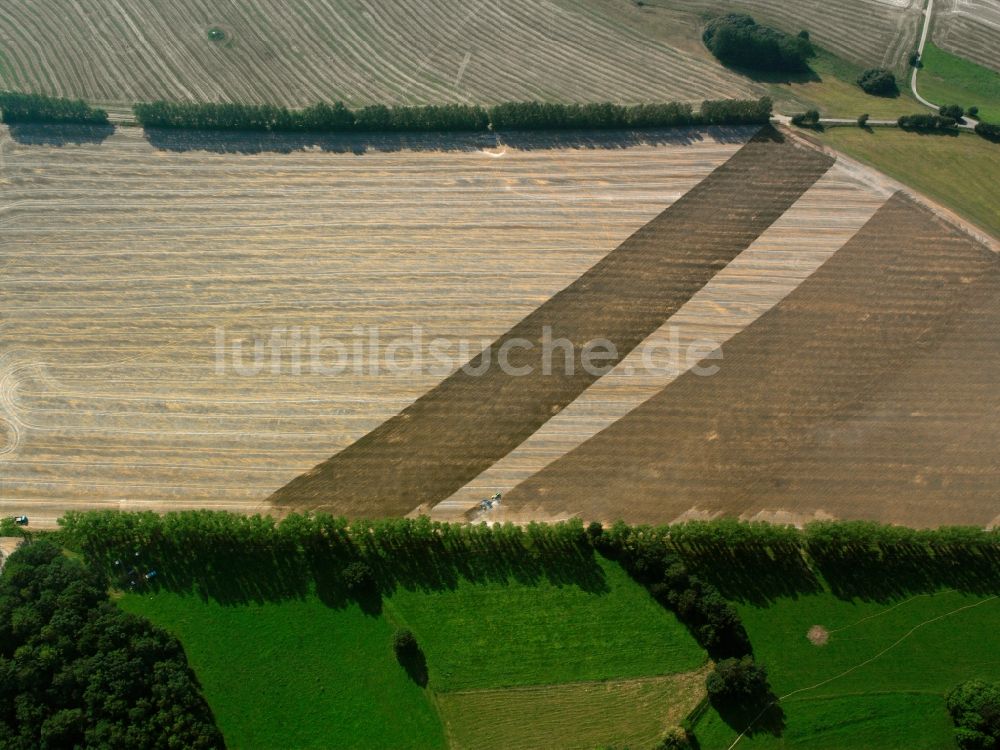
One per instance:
(969,28)
(118,263)
(867,32)
(296,52)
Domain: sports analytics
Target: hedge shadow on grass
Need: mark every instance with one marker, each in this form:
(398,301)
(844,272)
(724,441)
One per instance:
(238,574)
(758,575)
(58,134)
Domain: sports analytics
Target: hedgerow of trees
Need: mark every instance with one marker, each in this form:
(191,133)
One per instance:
(926,123)
(954,111)
(989,131)
(23,108)
(736,39)
(878,82)
(975,708)
(76,671)
(449,117)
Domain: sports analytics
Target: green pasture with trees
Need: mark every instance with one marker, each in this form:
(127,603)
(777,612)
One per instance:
(841,635)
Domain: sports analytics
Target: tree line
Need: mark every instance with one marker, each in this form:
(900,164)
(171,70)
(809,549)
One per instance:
(25,108)
(76,671)
(339,118)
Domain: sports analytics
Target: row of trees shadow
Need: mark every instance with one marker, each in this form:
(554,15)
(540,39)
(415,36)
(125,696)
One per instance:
(236,560)
(253,142)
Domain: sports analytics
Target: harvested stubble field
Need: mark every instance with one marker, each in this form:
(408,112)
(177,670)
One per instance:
(468,422)
(866,32)
(119,262)
(577,716)
(969,28)
(296,52)
(869,392)
(784,255)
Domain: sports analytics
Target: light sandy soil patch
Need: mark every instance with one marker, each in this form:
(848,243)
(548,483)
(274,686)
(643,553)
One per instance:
(779,260)
(818,635)
(119,262)
(869,392)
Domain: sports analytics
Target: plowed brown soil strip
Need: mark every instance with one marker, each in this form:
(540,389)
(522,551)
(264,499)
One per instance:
(870,392)
(462,426)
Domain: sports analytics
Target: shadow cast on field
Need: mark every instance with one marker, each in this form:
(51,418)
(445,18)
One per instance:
(251,142)
(280,570)
(55,134)
(761,575)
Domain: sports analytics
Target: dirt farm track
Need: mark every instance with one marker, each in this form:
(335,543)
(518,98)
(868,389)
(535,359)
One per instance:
(140,276)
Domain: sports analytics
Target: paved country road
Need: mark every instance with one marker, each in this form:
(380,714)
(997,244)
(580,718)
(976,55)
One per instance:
(969,122)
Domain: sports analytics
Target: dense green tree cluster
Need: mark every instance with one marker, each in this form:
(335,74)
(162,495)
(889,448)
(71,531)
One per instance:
(878,82)
(736,679)
(807,119)
(735,111)
(75,671)
(18,108)
(954,111)
(736,39)
(989,131)
(975,708)
(698,604)
(926,123)
(449,117)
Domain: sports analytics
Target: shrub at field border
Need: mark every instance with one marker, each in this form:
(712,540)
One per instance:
(24,108)
(337,118)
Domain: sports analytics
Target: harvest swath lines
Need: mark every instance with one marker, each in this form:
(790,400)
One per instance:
(778,261)
(869,392)
(968,28)
(120,261)
(863,31)
(297,52)
(458,429)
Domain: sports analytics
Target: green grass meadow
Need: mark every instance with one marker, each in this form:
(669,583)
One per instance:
(833,90)
(297,673)
(948,79)
(495,635)
(958,170)
(879,681)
